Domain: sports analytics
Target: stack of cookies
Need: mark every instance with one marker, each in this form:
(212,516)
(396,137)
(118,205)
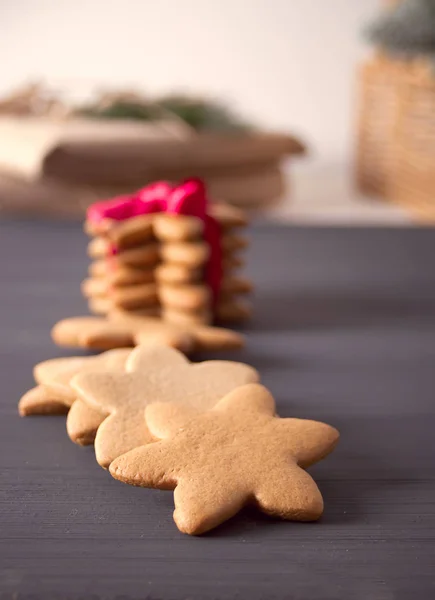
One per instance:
(122,275)
(208,431)
(166,251)
(188,291)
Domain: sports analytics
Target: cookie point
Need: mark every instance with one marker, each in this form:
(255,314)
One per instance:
(317,509)
(114,469)
(188,524)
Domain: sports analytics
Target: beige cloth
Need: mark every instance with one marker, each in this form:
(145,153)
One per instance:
(59,167)
(254,189)
(120,153)
(29,146)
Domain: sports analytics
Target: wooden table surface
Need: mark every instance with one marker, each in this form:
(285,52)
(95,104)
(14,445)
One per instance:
(343,332)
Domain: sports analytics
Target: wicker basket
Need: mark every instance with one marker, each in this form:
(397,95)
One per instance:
(412,183)
(396,134)
(378,107)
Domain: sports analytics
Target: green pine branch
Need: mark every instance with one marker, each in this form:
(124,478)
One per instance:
(201,115)
(408,29)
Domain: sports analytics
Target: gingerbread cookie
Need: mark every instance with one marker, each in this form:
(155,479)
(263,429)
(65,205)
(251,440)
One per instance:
(100,306)
(41,400)
(235,285)
(226,310)
(82,422)
(187,318)
(155,373)
(177,228)
(130,233)
(192,255)
(120,331)
(141,295)
(126,276)
(233,243)
(237,453)
(119,278)
(104,306)
(177,274)
(190,297)
(230,310)
(197,297)
(54,395)
(229,217)
(232,262)
(187,245)
(98,287)
(140,256)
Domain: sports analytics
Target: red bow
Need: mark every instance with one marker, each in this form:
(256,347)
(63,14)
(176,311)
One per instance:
(188,198)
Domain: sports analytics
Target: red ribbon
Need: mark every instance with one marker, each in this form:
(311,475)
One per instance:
(189,198)
(151,199)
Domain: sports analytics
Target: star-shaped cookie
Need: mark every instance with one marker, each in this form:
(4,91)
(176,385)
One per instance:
(54,395)
(155,373)
(235,454)
(126,330)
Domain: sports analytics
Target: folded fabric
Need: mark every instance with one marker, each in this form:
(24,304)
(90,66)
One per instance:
(36,147)
(256,188)
(124,153)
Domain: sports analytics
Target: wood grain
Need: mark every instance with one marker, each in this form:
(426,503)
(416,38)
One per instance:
(344,332)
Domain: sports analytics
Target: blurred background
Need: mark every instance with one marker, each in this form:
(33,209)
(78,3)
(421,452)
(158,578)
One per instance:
(297,69)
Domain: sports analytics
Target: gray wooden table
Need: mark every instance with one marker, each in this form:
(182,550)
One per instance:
(343,332)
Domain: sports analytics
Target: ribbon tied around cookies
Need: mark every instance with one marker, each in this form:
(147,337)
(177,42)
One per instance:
(188,198)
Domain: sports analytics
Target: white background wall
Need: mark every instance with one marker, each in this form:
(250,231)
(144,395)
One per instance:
(286,64)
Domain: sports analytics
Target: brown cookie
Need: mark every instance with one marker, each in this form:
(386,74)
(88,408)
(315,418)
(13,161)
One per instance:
(228,217)
(232,243)
(102,268)
(231,262)
(197,297)
(190,297)
(177,228)
(99,247)
(126,276)
(141,295)
(117,312)
(94,228)
(54,395)
(233,310)
(41,400)
(120,275)
(120,278)
(102,246)
(100,306)
(168,272)
(82,422)
(146,256)
(120,331)
(94,287)
(195,254)
(183,317)
(189,254)
(131,232)
(106,305)
(237,453)
(232,284)
(135,296)
(155,373)
(177,274)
